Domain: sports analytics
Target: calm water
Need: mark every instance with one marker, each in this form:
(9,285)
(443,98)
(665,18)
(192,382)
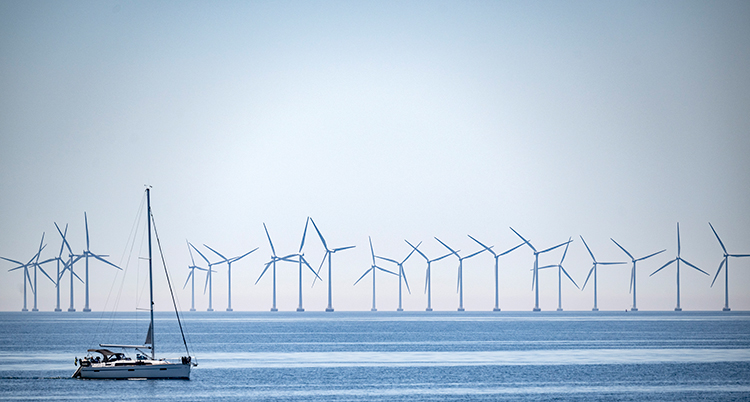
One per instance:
(394,356)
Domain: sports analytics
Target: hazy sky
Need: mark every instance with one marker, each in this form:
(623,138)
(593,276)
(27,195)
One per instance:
(396,120)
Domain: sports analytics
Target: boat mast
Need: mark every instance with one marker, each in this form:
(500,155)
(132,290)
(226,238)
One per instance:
(150,273)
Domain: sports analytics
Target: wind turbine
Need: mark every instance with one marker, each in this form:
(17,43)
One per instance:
(33,262)
(329,253)
(272,262)
(724,262)
(373,268)
(191,275)
(460,284)
(535,279)
(593,269)
(86,254)
(72,259)
(301,260)
(497,256)
(560,271)
(428,275)
(59,260)
(632,271)
(229,262)
(678,259)
(401,274)
(209,278)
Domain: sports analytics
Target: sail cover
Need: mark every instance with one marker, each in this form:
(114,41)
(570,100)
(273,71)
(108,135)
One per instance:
(149,336)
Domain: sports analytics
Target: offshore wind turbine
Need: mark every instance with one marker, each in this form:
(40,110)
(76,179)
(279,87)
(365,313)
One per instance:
(72,259)
(59,260)
(401,274)
(86,254)
(328,255)
(191,275)
(497,256)
(272,263)
(460,284)
(229,262)
(632,271)
(374,267)
(678,259)
(560,271)
(535,279)
(594,271)
(725,262)
(301,260)
(428,274)
(27,282)
(209,278)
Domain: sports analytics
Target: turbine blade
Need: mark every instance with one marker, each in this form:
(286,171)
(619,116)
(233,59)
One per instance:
(326,255)
(385,270)
(587,277)
(678,239)
(304,234)
(650,255)
(86,220)
(441,257)
(208,275)
(426,277)
(611,263)
(587,248)
(566,251)
(199,253)
(663,266)
(268,264)
(188,278)
(105,261)
(480,243)
(552,248)
(632,278)
(522,238)
(14,261)
(717,238)
(371,250)
(45,274)
(693,266)
(273,251)
(304,261)
(336,250)
(190,251)
(417,250)
(363,275)
(215,252)
(622,248)
(717,271)
(403,273)
(738,255)
(322,240)
(566,274)
(472,255)
(506,252)
(411,252)
(386,259)
(446,246)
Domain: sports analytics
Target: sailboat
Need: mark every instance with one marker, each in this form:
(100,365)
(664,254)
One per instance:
(106,364)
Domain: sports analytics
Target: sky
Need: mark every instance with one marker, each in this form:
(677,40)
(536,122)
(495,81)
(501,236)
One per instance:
(395,120)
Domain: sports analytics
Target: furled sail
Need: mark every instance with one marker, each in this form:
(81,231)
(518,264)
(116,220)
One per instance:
(149,336)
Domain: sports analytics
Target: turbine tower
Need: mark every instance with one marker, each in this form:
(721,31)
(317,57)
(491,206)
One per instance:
(328,255)
(209,278)
(191,275)
(497,256)
(301,260)
(593,270)
(535,279)
(373,268)
(678,259)
(229,262)
(88,254)
(59,260)
(632,271)
(428,275)
(725,262)
(272,262)
(560,271)
(401,274)
(27,282)
(460,284)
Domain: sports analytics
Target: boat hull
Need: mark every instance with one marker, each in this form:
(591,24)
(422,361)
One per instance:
(157,371)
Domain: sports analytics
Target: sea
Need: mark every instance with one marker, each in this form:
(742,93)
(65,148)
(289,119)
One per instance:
(415,356)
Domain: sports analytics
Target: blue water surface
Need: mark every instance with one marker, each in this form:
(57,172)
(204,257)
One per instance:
(392,356)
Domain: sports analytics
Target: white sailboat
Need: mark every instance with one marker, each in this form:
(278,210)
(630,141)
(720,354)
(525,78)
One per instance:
(114,365)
